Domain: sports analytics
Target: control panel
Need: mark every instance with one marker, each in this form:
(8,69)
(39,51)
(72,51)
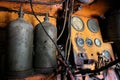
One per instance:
(88,46)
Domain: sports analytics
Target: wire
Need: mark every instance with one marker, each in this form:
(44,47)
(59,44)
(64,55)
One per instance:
(66,10)
(68,70)
(69,49)
(69,33)
(46,3)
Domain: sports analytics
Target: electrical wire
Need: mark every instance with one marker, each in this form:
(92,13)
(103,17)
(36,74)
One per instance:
(69,32)
(66,10)
(45,3)
(69,71)
(69,49)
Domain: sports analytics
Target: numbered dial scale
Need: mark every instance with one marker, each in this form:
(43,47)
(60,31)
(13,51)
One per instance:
(77,23)
(92,25)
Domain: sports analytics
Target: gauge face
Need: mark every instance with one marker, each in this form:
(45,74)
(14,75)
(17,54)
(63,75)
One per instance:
(106,54)
(89,42)
(77,23)
(97,42)
(92,25)
(80,42)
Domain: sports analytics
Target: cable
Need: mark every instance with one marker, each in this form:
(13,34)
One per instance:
(100,69)
(68,70)
(64,21)
(46,3)
(69,32)
(69,49)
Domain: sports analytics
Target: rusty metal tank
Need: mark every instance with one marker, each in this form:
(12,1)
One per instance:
(45,51)
(113,27)
(20,47)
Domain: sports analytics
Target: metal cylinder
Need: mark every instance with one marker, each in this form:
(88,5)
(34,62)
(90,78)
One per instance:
(113,27)
(45,51)
(20,47)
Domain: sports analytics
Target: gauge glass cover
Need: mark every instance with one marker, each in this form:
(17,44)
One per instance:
(97,42)
(106,54)
(77,23)
(89,42)
(80,42)
(92,25)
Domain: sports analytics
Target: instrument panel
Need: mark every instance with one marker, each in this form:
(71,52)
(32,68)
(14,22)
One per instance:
(87,40)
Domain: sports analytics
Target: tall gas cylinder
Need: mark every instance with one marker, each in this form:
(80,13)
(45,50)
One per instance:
(20,47)
(45,51)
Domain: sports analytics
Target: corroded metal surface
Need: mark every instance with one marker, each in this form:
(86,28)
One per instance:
(45,58)
(20,47)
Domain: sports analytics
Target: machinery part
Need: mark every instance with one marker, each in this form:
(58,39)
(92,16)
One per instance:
(79,59)
(106,54)
(20,47)
(80,41)
(113,27)
(82,56)
(77,23)
(89,42)
(97,42)
(92,25)
(45,51)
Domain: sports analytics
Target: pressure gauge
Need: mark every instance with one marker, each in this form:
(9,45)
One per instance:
(92,25)
(106,54)
(89,42)
(80,42)
(77,23)
(97,42)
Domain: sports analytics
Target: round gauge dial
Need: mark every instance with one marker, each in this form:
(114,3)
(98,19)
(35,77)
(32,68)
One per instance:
(106,54)
(89,42)
(97,42)
(92,25)
(80,42)
(77,23)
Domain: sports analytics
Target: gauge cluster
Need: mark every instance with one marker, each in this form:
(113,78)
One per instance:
(86,39)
